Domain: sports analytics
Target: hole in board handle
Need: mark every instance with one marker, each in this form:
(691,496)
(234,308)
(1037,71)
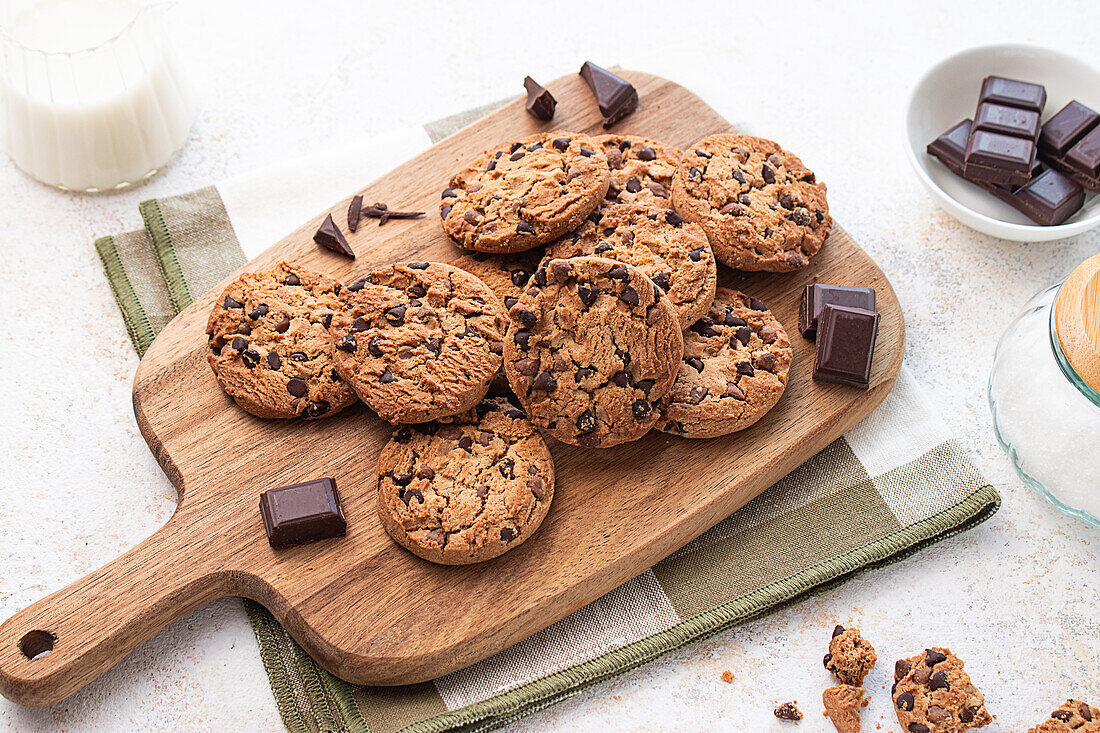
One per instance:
(36,644)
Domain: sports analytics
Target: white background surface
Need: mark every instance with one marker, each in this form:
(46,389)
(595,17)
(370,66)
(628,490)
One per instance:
(1017,597)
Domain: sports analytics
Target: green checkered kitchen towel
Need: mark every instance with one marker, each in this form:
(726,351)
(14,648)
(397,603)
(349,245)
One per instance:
(892,485)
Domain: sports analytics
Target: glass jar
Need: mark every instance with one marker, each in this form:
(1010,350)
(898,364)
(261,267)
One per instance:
(91,95)
(1044,392)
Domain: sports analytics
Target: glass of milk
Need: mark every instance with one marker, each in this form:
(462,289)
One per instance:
(91,98)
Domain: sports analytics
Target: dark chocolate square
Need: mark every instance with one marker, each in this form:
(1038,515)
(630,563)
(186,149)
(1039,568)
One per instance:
(845,345)
(302,512)
(1007,120)
(1062,131)
(1014,93)
(1085,155)
(1050,198)
(817,295)
(950,147)
(996,158)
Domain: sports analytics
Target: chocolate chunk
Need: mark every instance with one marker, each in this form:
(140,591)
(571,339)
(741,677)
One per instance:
(303,512)
(1001,159)
(396,315)
(326,320)
(231,302)
(1065,129)
(540,103)
(507,534)
(641,409)
(673,218)
(347,343)
(919,728)
(298,356)
(238,344)
(273,360)
(647,154)
(817,295)
(936,714)
(383,213)
(663,280)
(586,421)
(757,305)
(1005,120)
(619,272)
(838,631)
(732,390)
(787,711)
(258,312)
(354,209)
(744,335)
(938,681)
(561,143)
(330,237)
(250,357)
(297,387)
(615,96)
(629,296)
(826,659)
(527,318)
(292,279)
(845,345)
(905,701)
(901,668)
(745,368)
(932,657)
(1022,94)
(545,382)
(695,363)
(765,360)
(387,377)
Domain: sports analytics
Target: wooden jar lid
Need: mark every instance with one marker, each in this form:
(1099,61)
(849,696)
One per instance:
(1077,320)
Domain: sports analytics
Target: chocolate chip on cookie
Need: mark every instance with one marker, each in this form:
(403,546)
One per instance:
(735,366)
(641,169)
(525,193)
(506,275)
(850,656)
(762,209)
(1073,716)
(467,489)
(591,350)
(932,692)
(270,347)
(677,258)
(419,341)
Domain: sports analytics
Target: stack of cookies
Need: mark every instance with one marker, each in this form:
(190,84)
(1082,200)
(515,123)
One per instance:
(586,308)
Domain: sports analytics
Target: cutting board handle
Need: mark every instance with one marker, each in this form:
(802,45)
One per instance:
(61,643)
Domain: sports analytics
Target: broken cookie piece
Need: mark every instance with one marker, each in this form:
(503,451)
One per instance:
(727,677)
(850,656)
(1073,716)
(933,694)
(788,711)
(842,705)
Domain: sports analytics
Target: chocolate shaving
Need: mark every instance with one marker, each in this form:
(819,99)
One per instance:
(383,213)
(329,236)
(353,212)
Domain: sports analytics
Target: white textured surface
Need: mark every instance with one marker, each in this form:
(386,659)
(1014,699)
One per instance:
(1016,597)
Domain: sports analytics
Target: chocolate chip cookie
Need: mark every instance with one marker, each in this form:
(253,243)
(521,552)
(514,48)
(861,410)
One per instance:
(467,489)
(842,705)
(525,193)
(505,274)
(673,253)
(591,350)
(735,365)
(850,656)
(1073,716)
(418,341)
(641,169)
(270,347)
(933,694)
(760,206)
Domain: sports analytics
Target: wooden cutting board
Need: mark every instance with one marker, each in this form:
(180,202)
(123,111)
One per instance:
(366,609)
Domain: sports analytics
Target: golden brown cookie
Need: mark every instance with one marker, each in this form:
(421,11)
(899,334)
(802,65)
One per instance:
(270,347)
(418,341)
(762,209)
(933,694)
(468,489)
(641,169)
(591,351)
(1073,716)
(673,253)
(850,656)
(525,192)
(735,366)
(842,705)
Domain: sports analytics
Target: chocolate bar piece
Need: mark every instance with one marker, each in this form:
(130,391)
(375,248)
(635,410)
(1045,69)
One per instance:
(1022,94)
(845,345)
(615,95)
(1049,198)
(1065,129)
(540,102)
(1070,143)
(817,295)
(303,512)
(1005,132)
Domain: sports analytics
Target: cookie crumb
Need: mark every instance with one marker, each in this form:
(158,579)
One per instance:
(727,677)
(850,656)
(842,706)
(788,711)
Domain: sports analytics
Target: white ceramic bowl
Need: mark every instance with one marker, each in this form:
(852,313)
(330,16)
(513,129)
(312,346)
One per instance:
(948,93)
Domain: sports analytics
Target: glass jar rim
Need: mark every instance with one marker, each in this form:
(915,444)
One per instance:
(139,13)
